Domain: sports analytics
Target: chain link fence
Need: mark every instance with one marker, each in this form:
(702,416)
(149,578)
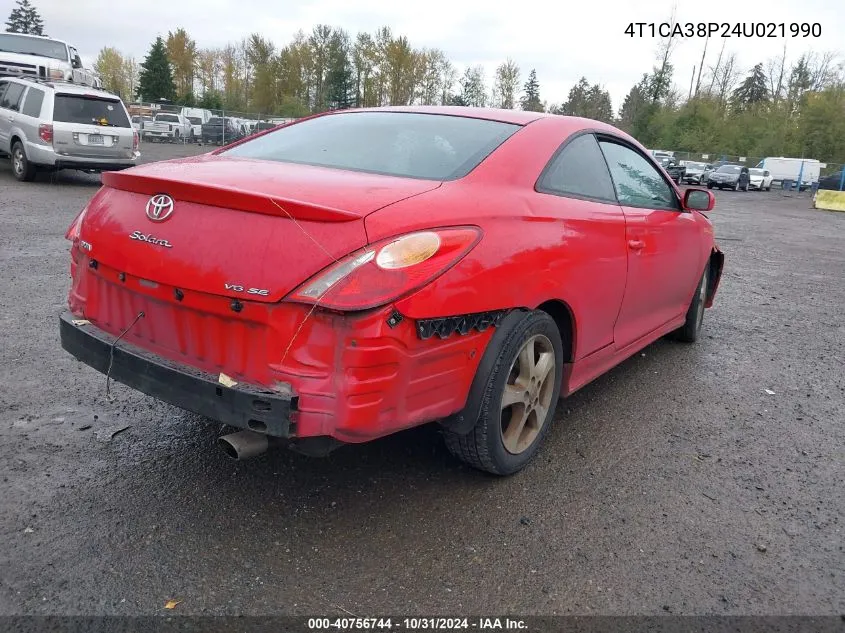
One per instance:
(827,171)
(166,122)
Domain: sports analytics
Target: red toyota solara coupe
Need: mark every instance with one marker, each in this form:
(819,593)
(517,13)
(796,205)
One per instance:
(357,273)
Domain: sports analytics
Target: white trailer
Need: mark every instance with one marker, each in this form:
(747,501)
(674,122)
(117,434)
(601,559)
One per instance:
(790,168)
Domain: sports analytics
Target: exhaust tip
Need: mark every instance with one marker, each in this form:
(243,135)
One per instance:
(243,444)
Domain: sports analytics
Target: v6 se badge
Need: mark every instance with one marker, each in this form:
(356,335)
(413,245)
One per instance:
(261,292)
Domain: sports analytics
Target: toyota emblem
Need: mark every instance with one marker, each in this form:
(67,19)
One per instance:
(159,207)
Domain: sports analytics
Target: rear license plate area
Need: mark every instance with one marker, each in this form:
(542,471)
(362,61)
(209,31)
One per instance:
(95,139)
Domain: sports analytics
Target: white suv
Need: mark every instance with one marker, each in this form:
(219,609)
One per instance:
(53,125)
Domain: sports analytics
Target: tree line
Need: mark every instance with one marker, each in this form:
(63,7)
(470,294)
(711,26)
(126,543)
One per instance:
(326,69)
(781,106)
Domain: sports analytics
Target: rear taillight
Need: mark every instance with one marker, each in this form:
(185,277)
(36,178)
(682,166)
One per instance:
(73,230)
(387,270)
(45,132)
(135,140)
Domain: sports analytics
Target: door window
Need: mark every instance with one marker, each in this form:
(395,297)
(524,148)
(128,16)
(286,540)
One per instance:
(12,97)
(638,183)
(578,170)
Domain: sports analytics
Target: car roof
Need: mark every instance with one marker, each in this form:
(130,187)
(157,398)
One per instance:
(518,117)
(36,37)
(63,87)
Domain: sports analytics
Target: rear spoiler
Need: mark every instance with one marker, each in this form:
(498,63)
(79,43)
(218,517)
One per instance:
(224,196)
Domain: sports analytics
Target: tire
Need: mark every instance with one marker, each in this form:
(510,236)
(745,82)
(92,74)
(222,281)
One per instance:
(21,167)
(532,387)
(689,331)
(709,185)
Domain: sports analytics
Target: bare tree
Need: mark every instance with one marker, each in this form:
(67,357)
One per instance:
(701,66)
(714,70)
(662,75)
(727,78)
(776,74)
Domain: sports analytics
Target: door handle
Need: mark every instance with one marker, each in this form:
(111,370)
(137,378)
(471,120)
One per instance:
(636,245)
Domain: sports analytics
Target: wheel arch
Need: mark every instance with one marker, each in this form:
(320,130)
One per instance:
(563,317)
(716,262)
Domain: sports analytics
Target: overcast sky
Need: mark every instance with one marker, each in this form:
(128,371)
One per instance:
(562,40)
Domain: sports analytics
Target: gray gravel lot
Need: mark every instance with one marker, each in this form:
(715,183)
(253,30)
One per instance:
(674,484)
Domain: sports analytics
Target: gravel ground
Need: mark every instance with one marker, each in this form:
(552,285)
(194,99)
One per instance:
(677,483)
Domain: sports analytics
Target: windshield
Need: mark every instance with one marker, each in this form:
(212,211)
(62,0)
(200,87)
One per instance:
(170,118)
(430,146)
(10,43)
(90,110)
(755,172)
(695,165)
(729,169)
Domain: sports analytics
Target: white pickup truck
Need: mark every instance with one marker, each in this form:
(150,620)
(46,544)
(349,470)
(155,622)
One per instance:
(170,126)
(39,57)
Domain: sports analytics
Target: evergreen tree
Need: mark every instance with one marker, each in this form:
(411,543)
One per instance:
(531,97)
(588,101)
(753,90)
(156,79)
(25,19)
(340,83)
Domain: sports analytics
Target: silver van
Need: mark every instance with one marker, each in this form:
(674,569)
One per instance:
(53,125)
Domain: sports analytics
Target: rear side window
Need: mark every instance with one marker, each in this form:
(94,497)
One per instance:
(12,97)
(579,170)
(32,103)
(90,110)
(406,144)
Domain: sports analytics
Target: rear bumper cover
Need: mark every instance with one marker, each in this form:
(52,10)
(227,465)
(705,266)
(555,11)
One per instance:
(202,393)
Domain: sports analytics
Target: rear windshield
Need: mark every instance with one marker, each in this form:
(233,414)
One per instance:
(429,146)
(195,120)
(10,43)
(215,120)
(91,110)
(171,118)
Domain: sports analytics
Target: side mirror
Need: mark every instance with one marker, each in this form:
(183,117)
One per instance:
(699,199)
(77,61)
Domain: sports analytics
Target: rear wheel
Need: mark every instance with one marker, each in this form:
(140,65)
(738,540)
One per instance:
(689,331)
(22,168)
(519,396)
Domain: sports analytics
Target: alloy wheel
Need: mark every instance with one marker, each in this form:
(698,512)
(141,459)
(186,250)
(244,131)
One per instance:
(527,395)
(18,161)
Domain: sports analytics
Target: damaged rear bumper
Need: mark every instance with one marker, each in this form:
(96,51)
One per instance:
(241,406)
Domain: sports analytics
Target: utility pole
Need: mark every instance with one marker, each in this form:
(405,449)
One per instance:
(691,80)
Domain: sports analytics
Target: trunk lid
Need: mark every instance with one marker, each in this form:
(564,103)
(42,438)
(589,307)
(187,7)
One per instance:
(240,228)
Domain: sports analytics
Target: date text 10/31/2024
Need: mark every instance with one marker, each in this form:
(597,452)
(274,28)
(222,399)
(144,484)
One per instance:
(723,29)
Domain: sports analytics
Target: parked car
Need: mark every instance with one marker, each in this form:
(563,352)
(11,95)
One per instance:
(56,125)
(265,125)
(197,117)
(138,123)
(40,57)
(673,168)
(729,176)
(759,179)
(831,182)
(221,131)
(709,168)
(693,172)
(387,289)
(169,126)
